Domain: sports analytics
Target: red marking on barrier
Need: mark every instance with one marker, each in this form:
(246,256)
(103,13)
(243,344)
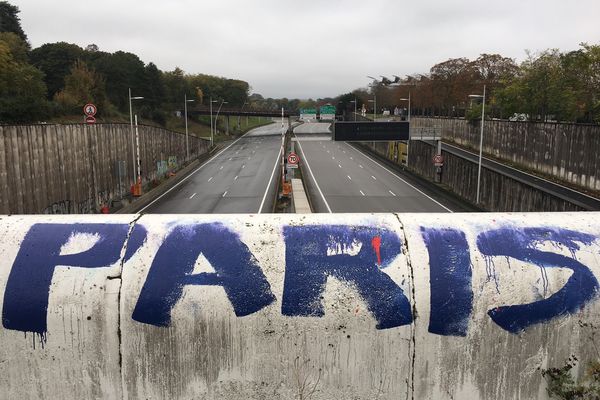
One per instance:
(376,243)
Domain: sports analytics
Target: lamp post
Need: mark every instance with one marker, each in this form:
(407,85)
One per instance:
(240,116)
(187,143)
(211,122)
(132,135)
(374,101)
(405,99)
(354,101)
(218,111)
(478,96)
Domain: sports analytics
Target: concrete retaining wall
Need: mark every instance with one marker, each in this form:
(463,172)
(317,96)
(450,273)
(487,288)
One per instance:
(499,193)
(565,151)
(67,169)
(417,306)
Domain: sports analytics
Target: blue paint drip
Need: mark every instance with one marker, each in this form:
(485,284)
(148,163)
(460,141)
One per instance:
(308,265)
(519,243)
(450,281)
(28,286)
(236,270)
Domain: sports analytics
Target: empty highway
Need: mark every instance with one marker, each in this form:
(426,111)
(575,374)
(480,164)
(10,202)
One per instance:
(342,179)
(239,179)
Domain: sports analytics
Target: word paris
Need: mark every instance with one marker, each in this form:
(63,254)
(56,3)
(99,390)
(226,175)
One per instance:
(358,255)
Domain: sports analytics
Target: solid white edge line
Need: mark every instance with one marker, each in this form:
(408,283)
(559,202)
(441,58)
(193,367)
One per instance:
(193,172)
(430,198)
(313,177)
(262,203)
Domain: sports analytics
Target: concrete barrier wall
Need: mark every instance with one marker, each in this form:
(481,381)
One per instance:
(499,192)
(69,169)
(560,150)
(417,306)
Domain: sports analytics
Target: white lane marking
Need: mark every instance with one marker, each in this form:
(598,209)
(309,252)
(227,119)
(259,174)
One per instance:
(392,193)
(277,160)
(373,177)
(210,179)
(429,197)
(360,165)
(192,173)
(349,177)
(313,177)
(339,166)
(243,166)
(361,192)
(235,179)
(230,158)
(192,196)
(333,158)
(225,194)
(351,158)
(221,168)
(343,152)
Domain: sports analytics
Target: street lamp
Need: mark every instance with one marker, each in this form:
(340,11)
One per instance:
(187,143)
(405,99)
(211,122)
(354,101)
(132,135)
(218,111)
(478,96)
(240,116)
(374,101)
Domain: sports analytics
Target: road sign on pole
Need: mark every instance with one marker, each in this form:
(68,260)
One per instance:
(293,159)
(90,110)
(438,160)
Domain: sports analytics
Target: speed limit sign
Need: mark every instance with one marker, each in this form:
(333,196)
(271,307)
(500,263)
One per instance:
(90,110)
(293,158)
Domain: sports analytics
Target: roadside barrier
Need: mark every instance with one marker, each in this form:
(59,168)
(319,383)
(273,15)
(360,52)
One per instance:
(330,306)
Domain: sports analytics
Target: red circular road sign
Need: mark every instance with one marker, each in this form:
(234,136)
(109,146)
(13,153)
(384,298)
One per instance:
(90,110)
(90,120)
(438,160)
(293,158)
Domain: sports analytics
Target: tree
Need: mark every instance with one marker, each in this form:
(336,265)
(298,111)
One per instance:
(22,90)
(16,45)
(10,22)
(83,85)
(123,71)
(154,94)
(55,61)
(452,81)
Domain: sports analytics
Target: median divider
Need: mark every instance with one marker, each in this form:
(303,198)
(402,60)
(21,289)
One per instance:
(324,306)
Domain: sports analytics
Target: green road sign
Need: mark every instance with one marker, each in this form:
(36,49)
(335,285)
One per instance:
(329,110)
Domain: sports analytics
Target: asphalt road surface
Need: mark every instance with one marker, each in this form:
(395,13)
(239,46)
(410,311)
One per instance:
(236,180)
(341,178)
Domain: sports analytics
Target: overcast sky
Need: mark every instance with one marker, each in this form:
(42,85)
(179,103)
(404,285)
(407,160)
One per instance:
(311,48)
